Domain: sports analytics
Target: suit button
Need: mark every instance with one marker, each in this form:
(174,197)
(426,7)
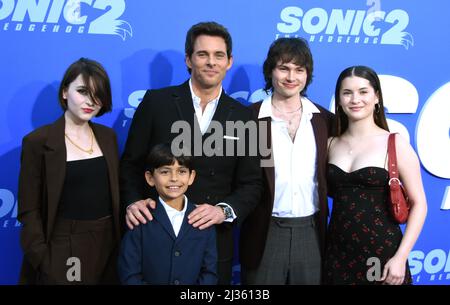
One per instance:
(212,173)
(177,253)
(176,282)
(208,197)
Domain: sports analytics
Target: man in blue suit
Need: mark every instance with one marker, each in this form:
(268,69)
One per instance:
(168,250)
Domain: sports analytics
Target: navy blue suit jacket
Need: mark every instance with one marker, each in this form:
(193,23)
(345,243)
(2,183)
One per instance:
(152,254)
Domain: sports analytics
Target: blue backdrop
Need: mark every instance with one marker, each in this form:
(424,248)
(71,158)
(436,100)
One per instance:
(141,44)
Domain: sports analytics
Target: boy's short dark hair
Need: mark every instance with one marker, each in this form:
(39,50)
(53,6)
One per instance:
(161,155)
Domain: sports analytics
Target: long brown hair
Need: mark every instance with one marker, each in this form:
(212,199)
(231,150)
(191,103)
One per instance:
(367,73)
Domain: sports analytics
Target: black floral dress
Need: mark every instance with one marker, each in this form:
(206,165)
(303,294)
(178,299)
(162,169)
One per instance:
(360,226)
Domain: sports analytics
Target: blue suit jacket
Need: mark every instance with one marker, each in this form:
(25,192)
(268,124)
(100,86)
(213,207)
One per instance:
(152,254)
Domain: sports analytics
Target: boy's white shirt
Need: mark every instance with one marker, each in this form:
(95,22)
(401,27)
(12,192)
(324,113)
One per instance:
(176,217)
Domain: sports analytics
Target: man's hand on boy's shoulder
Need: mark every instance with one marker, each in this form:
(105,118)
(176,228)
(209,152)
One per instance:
(138,212)
(206,215)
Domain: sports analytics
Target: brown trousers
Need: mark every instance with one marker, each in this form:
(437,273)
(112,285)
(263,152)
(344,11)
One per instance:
(81,252)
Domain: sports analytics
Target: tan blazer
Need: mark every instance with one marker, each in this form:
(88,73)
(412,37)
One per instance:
(42,174)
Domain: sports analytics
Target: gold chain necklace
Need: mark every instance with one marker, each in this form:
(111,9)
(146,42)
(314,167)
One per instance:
(90,150)
(287,112)
(289,120)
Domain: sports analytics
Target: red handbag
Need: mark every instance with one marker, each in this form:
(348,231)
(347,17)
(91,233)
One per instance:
(399,201)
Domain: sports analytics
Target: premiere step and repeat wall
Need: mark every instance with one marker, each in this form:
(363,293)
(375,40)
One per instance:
(141,44)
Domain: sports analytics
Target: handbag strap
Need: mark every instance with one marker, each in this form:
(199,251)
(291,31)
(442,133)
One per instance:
(392,158)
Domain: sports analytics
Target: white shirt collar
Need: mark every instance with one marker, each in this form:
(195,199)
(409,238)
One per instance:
(266,108)
(196,100)
(171,210)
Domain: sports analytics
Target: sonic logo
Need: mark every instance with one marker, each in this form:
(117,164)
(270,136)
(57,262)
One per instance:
(372,26)
(65,16)
(8,206)
(431,266)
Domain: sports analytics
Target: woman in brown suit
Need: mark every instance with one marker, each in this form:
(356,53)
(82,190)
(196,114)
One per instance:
(68,187)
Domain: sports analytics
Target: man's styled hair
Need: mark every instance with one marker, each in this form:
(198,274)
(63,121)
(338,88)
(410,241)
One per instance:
(210,28)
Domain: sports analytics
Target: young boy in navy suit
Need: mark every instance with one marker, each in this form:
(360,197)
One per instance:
(168,250)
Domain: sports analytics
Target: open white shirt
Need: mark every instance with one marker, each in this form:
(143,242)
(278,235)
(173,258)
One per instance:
(176,217)
(204,118)
(296,187)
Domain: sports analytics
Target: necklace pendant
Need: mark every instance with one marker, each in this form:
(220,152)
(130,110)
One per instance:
(90,150)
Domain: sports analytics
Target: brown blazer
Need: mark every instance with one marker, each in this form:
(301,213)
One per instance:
(254,230)
(42,174)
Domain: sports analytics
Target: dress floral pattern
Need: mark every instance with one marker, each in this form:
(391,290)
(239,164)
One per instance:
(360,225)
